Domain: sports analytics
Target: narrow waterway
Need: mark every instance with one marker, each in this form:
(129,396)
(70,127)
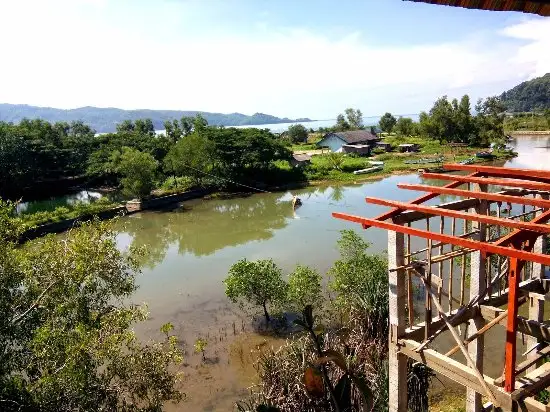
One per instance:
(192,247)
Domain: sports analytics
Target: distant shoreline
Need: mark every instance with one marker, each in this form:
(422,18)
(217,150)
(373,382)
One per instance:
(530,133)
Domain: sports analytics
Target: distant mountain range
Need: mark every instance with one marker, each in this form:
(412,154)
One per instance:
(532,95)
(105,119)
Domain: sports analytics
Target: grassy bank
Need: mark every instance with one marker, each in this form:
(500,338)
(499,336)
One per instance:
(323,167)
(60,213)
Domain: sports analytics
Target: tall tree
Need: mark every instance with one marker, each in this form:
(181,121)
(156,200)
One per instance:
(490,120)
(404,126)
(297,133)
(191,156)
(66,333)
(387,122)
(355,118)
(138,170)
(341,123)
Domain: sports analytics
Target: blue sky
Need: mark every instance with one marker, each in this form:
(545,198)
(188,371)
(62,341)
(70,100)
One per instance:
(301,58)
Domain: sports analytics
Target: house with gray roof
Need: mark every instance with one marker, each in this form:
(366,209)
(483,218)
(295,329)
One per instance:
(340,142)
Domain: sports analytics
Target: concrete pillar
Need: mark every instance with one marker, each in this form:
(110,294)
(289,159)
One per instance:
(397,301)
(536,307)
(478,283)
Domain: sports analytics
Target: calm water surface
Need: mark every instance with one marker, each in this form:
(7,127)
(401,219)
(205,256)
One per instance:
(192,248)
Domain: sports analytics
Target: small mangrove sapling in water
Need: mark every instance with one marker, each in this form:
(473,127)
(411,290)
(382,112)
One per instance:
(200,347)
(258,283)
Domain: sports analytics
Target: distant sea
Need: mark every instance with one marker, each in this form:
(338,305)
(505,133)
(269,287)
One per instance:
(315,124)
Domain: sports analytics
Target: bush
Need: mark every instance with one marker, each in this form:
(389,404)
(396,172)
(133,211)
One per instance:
(304,288)
(258,283)
(360,281)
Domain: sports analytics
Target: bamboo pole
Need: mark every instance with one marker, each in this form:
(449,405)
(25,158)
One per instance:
(471,363)
(410,301)
(463,268)
(427,293)
(434,245)
(451,269)
(440,264)
(480,332)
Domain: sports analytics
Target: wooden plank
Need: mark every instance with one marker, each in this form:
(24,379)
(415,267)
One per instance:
(511,326)
(492,197)
(526,364)
(455,371)
(478,333)
(439,211)
(467,243)
(416,332)
(525,184)
(533,385)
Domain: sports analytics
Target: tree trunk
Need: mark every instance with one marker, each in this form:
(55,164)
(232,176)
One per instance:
(267,318)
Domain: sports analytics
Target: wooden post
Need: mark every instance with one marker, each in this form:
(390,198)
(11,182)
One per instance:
(478,284)
(397,300)
(536,306)
(511,327)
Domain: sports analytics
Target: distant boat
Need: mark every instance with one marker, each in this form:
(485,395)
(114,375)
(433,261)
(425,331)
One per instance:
(467,161)
(368,170)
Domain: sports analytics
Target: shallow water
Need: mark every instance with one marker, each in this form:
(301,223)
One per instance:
(192,247)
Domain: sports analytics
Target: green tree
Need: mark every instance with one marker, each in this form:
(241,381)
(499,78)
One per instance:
(341,123)
(297,133)
(191,156)
(404,126)
(360,280)
(336,160)
(490,121)
(387,122)
(66,334)
(258,283)
(354,118)
(137,169)
(304,288)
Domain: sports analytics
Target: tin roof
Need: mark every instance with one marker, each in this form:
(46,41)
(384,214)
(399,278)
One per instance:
(541,7)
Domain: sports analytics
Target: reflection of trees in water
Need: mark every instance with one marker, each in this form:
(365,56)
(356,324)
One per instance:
(337,193)
(208,227)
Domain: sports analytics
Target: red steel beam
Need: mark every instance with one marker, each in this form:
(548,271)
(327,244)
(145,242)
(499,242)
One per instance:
(520,235)
(466,243)
(502,171)
(511,326)
(490,181)
(439,211)
(424,198)
(493,197)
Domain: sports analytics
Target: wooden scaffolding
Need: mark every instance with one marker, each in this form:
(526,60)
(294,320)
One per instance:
(475,267)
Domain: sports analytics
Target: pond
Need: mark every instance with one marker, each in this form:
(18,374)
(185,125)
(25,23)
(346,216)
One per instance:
(192,248)
(47,205)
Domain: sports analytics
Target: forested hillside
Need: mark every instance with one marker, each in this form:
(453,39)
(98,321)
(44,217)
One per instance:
(105,119)
(532,95)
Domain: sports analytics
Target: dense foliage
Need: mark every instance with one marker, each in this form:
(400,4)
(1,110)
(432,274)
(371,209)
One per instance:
(297,133)
(532,95)
(338,362)
(106,119)
(37,156)
(453,122)
(387,122)
(258,283)
(66,331)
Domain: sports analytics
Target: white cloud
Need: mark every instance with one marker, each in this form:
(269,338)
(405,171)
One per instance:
(89,52)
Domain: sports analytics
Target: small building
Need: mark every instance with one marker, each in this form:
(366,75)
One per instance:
(408,147)
(336,140)
(360,149)
(300,160)
(383,145)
